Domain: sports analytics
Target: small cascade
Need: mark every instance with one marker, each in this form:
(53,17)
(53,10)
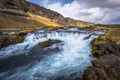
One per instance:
(44,35)
(68,63)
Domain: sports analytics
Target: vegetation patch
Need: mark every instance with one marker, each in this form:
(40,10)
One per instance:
(48,43)
(95,51)
(9,39)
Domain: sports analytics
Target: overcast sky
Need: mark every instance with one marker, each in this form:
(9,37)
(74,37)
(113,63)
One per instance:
(96,11)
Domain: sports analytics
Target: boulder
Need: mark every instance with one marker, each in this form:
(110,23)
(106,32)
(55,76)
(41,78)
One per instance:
(9,39)
(106,67)
(48,43)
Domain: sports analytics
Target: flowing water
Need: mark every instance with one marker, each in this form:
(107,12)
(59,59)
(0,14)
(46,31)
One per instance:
(66,60)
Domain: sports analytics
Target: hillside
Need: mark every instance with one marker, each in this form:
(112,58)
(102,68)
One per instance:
(20,14)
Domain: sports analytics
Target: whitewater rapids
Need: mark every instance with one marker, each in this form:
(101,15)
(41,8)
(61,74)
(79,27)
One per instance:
(63,61)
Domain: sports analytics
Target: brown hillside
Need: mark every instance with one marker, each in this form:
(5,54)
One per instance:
(22,14)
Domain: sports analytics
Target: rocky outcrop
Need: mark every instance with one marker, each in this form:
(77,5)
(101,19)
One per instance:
(25,6)
(13,4)
(105,47)
(106,67)
(8,39)
(107,64)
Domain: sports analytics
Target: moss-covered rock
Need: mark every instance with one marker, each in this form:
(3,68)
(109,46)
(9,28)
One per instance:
(49,43)
(8,39)
(95,51)
(106,67)
(97,41)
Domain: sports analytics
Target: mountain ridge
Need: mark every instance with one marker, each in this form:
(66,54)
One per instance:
(23,7)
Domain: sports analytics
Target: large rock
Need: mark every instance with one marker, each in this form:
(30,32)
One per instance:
(48,43)
(107,64)
(6,40)
(105,68)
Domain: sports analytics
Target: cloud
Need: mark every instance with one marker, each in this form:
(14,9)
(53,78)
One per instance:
(96,11)
(113,17)
(100,3)
(68,10)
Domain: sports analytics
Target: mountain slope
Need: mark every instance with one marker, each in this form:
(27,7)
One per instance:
(22,14)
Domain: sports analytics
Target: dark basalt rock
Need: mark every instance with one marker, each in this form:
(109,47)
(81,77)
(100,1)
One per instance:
(107,64)
(105,68)
(107,48)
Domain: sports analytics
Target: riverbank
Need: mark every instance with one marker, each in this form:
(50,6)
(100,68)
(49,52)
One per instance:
(106,49)
(9,39)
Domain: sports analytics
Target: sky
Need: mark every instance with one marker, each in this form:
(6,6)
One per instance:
(95,11)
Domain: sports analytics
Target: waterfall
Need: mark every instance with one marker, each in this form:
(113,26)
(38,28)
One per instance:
(68,63)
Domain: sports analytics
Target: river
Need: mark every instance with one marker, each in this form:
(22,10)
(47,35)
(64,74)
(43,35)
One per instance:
(66,60)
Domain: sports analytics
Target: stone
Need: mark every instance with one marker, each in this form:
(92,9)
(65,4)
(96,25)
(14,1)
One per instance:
(48,43)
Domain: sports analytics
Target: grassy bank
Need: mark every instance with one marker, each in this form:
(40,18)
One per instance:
(106,49)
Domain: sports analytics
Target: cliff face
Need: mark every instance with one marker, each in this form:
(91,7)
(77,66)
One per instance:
(13,4)
(21,8)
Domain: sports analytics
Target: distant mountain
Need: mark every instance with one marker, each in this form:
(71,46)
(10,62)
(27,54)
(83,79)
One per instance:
(23,14)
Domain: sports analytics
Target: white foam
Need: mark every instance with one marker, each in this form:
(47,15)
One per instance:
(75,55)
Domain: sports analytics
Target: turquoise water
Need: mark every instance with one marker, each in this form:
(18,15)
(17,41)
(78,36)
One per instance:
(69,63)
